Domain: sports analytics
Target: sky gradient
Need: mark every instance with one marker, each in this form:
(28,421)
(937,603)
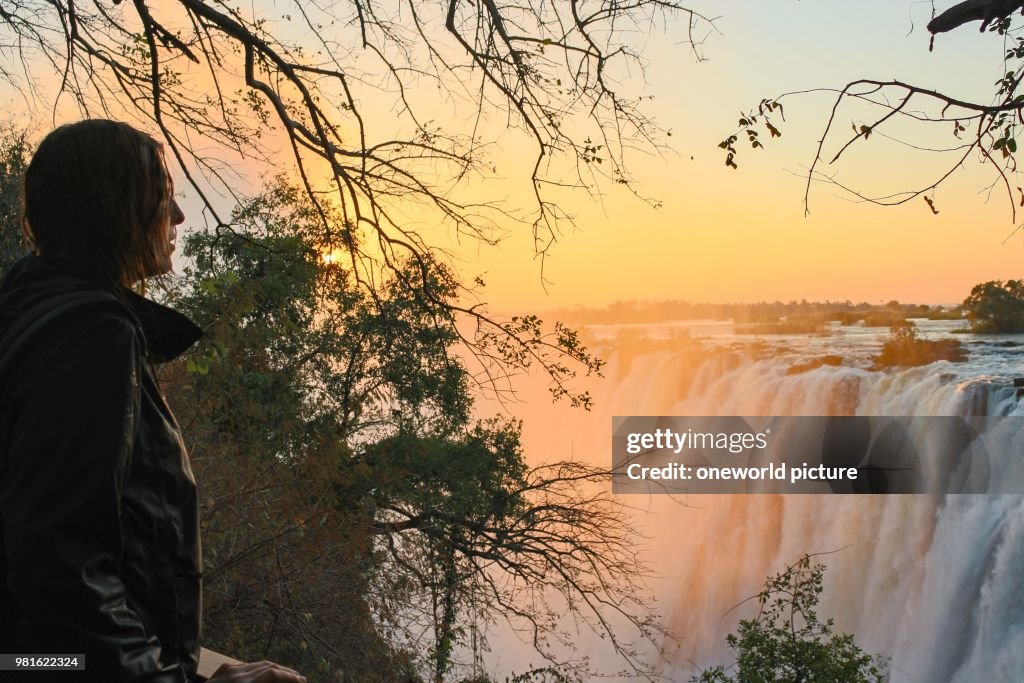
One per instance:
(726,235)
(723,235)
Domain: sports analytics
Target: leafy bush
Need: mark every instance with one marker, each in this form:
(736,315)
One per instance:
(787,641)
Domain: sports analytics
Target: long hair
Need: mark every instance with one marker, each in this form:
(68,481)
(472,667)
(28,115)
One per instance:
(95,192)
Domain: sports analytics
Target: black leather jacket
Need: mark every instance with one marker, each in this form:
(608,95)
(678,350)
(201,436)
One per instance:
(99,543)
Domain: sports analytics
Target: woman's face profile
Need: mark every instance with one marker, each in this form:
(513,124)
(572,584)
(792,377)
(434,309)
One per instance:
(163,236)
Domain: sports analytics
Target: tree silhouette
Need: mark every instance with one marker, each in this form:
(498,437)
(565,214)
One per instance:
(353,87)
(388,109)
(996,307)
(983,131)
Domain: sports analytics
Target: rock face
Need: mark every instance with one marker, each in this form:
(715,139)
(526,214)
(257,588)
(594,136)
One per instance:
(830,359)
(919,352)
(904,349)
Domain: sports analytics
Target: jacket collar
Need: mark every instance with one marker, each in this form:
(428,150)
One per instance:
(167,332)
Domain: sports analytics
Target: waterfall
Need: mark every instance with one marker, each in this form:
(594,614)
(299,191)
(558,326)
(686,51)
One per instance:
(934,583)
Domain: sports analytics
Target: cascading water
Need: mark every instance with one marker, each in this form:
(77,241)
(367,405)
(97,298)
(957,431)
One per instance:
(935,583)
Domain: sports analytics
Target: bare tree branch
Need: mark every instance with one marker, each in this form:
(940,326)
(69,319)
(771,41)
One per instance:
(985,11)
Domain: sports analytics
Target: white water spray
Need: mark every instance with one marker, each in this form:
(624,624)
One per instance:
(935,583)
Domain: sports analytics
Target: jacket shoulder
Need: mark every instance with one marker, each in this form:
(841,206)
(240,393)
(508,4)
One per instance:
(63,320)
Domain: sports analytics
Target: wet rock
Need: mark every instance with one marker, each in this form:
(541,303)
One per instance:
(830,359)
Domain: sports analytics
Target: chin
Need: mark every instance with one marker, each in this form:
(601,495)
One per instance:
(161,268)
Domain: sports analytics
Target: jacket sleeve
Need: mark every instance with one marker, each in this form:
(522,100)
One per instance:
(74,418)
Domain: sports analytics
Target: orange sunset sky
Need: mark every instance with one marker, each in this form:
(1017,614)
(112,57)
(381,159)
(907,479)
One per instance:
(728,236)
(722,235)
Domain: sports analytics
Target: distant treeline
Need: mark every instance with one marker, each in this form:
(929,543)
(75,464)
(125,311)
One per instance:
(793,313)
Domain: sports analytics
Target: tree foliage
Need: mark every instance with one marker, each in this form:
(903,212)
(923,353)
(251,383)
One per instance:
(996,307)
(358,522)
(13,159)
(787,641)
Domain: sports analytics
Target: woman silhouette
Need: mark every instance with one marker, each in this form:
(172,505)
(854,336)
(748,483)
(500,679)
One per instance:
(99,540)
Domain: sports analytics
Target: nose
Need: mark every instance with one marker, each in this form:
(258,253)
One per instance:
(177,216)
